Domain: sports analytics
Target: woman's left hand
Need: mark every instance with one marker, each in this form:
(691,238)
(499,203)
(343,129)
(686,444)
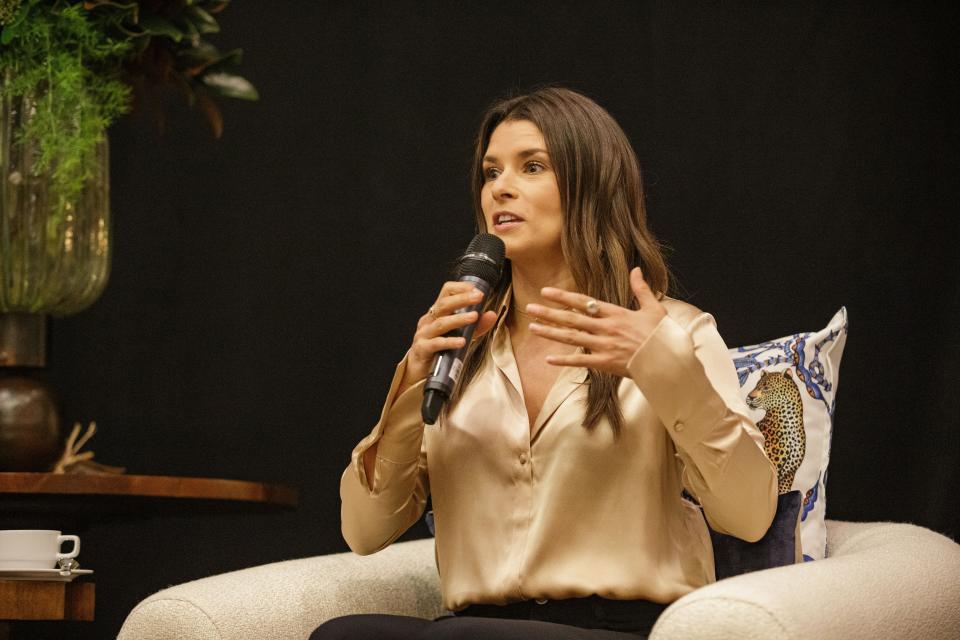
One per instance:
(613,334)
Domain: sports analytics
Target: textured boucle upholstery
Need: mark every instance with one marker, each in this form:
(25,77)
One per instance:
(881,580)
(287,600)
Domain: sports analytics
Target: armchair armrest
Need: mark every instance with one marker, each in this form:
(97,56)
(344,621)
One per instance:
(290,599)
(881,580)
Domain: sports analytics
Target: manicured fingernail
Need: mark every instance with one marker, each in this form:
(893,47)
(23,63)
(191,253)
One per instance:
(534,326)
(533,308)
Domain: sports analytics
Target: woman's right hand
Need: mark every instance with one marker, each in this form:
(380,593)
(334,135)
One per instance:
(440,319)
(429,339)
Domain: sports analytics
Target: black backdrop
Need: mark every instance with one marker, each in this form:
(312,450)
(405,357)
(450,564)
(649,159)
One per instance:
(798,158)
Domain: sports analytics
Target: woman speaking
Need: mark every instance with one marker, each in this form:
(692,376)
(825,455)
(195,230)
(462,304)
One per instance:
(587,402)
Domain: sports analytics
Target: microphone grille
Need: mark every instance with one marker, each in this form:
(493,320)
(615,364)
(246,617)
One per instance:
(483,258)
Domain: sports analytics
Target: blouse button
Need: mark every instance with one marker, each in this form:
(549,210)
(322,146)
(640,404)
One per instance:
(523,458)
(678,427)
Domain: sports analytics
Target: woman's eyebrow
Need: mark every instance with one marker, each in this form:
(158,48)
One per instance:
(523,154)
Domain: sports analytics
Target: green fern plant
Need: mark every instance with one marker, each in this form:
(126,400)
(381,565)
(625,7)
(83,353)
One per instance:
(78,66)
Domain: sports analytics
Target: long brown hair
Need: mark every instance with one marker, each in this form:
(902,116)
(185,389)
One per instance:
(605,230)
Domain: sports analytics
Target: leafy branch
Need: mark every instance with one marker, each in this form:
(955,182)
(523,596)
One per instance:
(78,65)
(66,74)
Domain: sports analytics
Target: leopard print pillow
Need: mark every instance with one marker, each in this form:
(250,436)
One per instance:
(791,385)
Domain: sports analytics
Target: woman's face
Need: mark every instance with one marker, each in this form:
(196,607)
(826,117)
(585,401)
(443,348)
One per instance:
(520,197)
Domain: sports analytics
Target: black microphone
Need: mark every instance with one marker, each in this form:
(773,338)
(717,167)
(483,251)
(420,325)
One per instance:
(481,264)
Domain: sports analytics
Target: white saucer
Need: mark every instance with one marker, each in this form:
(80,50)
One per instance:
(45,575)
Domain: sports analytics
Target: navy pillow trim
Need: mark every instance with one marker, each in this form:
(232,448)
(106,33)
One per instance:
(777,548)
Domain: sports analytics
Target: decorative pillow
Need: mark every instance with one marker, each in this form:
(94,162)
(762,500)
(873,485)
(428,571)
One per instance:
(791,384)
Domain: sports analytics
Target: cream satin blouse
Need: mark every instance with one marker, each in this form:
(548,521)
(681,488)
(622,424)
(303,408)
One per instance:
(567,512)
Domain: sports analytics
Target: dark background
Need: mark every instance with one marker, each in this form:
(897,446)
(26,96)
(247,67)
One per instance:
(798,158)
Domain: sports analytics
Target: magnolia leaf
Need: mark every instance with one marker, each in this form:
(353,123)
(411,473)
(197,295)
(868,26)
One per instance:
(203,21)
(226,61)
(216,6)
(202,53)
(218,63)
(206,58)
(157,26)
(230,86)
(189,30)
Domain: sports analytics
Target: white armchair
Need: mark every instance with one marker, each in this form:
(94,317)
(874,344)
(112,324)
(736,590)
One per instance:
(881,580)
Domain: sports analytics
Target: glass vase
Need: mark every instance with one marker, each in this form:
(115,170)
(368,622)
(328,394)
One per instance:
(54,260)
(54,252)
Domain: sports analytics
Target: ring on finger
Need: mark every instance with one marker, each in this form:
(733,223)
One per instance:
(592,307)
(433,312)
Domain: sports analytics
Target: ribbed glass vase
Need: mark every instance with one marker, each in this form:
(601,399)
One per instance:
(54,252)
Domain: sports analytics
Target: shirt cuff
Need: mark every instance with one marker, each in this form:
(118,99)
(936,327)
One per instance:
(672,378)
(399,431)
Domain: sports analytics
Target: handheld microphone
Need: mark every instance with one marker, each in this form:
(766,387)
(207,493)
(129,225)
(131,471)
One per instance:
(481,264)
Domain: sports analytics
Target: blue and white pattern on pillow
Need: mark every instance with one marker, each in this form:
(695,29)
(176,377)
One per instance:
(791,386)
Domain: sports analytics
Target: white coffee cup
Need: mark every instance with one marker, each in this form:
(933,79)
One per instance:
(34,548)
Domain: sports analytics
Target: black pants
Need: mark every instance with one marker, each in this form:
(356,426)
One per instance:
(591,618)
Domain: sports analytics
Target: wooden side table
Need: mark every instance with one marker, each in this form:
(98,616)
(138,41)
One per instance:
(70,501)
(60,501)
(52,484)
(29,600)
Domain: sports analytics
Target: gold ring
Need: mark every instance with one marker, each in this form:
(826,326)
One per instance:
(593,307)
(433,312)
